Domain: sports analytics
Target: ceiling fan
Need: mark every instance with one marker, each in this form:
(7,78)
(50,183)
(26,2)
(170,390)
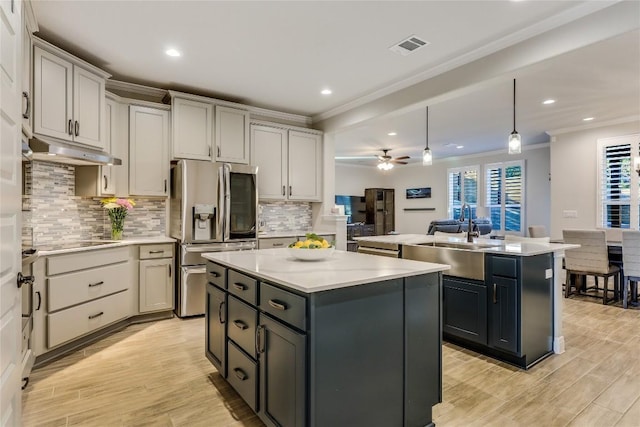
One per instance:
(386,162)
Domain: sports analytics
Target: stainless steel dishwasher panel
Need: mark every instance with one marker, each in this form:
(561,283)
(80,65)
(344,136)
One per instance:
(191,296)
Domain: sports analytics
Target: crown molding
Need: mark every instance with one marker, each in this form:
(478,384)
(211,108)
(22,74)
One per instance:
(136,89)
(592,125)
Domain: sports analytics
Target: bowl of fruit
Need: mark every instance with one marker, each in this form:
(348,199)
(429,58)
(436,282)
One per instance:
(313,248)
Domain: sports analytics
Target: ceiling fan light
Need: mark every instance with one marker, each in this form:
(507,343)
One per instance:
(385,166)
(427,157)
(515,143)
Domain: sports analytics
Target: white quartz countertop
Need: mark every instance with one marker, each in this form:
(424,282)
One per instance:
(496,246)
(342,269)
(69,247)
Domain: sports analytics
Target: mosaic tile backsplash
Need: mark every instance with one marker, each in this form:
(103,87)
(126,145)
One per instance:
(53,213)
(284,216)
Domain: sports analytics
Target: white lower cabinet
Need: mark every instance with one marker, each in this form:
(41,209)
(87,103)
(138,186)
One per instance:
(156,277)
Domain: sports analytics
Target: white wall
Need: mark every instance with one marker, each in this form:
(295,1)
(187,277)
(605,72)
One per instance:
(537,191)
(574,175)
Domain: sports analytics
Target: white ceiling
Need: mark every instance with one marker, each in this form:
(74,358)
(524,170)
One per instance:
(280,55)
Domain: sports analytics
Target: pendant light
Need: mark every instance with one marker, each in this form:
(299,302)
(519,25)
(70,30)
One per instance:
(515,140)
(427,157)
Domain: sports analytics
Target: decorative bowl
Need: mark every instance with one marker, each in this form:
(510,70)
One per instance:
(311,254)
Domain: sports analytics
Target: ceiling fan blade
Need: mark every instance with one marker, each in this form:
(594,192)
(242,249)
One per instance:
(399,162)
(402,158)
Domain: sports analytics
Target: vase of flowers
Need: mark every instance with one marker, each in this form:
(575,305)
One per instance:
(117,210)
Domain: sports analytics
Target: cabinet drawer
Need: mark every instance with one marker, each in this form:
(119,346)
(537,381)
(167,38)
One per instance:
(164,250)
(242,320)
(275,242)
(286,306)
(243,375)
(243,286)
(85,259)
(73,322)
(504,266)
(217,275)
(74,288)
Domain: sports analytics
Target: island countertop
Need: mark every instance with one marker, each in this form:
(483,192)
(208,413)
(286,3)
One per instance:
(342,269)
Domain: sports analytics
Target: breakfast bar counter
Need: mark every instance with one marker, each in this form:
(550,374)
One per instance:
(352,339)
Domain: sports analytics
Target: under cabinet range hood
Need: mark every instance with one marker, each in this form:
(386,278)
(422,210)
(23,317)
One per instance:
(51,150)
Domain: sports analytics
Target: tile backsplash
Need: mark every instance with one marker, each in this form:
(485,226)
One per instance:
(284,216)
(53,213)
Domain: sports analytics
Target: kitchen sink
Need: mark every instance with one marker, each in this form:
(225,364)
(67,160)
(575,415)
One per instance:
(464,258)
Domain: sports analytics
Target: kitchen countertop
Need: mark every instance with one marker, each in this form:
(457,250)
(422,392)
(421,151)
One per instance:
(497,246)
(342,269)
(107,244)
(292,233)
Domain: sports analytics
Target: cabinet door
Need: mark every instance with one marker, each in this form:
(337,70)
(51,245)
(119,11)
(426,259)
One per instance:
(305,166)
(232,135)
(156,285)
(192,129)
(503,320)
(107,176)
(282,374)
(464,311)
(53,80)
(215,335)
(269,153)
(148,151)
(27,67)
(88,108)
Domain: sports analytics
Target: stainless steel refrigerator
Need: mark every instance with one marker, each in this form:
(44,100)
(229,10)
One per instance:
(213,207)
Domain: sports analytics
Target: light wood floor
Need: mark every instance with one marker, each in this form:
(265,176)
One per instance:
(156,374)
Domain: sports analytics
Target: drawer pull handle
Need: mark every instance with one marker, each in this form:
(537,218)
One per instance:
(214,274)
(240,374)
(93,316)
(240,286)
(91,285)
(220,317)
(259,343)
(240,325)
(495,296)
(39,300)
(156,252)
(275,245)
(277,305)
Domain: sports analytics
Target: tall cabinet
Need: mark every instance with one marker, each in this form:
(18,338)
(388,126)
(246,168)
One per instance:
(380,209)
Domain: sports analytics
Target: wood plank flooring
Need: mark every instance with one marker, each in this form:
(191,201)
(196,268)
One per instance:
(156,374)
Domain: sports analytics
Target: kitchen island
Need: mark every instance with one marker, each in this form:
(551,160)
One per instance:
(351,340)
(502,298)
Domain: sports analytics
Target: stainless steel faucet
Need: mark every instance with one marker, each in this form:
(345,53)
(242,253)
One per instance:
(470,234)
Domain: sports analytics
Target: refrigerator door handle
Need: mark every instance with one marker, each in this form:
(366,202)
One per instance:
(227,201)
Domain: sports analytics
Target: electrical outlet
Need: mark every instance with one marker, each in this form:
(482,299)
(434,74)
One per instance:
(570,214)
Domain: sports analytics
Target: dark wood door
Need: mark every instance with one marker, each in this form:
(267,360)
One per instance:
(464,312)
(282,355)
(503,317)
(216,317)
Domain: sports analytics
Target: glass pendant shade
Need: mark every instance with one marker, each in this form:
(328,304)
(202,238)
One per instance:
(515,143)
(427,157)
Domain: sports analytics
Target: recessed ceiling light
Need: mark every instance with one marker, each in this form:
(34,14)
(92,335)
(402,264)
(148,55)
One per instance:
(587,119)
(172,52)
(326,91)
(459,146)
(549,101)
(392,134)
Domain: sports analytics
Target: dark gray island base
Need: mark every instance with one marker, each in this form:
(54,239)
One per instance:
(364,355)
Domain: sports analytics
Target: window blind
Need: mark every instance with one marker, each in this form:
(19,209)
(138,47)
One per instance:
(463,188)
(615,188)
(504,195)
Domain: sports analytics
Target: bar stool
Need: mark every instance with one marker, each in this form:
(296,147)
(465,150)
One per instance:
(537,231)
(590,259)
(631,262)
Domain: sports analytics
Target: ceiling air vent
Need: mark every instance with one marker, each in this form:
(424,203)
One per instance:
(408,45)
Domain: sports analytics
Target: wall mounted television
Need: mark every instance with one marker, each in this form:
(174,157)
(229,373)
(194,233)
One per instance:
(419,193)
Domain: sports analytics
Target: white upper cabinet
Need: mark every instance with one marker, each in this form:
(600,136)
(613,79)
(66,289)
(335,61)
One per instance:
(192,129)
(269,153)
(68,97)
(289,163)
(148,151)
(305,166)
(232,135)
(29,26)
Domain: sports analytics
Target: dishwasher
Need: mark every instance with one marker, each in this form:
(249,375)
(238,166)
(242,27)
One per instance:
(392,250)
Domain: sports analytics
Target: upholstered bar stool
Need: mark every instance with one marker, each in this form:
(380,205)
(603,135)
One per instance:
(631,262)
(590,259)
(537,231)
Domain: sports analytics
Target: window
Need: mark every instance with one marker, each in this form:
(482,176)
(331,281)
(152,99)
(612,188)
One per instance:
(618,182)
(463,188)
(505,196)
